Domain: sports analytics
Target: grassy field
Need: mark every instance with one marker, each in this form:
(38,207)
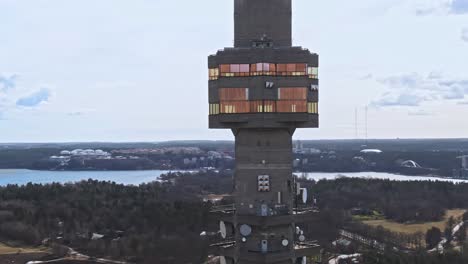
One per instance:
(414,228)
(7,250)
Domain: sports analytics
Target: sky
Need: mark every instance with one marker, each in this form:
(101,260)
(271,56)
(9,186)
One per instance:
(119,70)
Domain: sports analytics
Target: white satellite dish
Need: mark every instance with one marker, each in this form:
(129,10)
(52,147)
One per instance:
(285,242)
(222,260)
(244,239)
(245,230)
(298,230)
(222,229)
(304,195)
(302,238)
(304,260)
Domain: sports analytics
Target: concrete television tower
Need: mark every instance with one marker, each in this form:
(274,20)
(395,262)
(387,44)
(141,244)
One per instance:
(263,89)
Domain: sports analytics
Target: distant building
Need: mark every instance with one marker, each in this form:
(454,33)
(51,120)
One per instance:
(410,164)
(462,173)
(371,151)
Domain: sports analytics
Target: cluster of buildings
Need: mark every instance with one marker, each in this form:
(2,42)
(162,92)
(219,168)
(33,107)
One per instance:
(87,154)
(66,155)
(299,148)
(160,151)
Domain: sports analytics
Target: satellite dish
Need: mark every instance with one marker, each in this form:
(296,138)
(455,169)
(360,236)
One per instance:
(244,239)
(304,195)
(222,260)
(302,238)
(222,229)
(285,242)
(304,260)
(298,230)
(245,230)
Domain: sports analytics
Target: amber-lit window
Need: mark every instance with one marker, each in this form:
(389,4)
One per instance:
(263,69)
(292,100)
(234,70)
(292,93)
(225,70)
(312,108)
(213,74)
(233,94)
(234,100)
(312,72)
(256,106)
(214,109)
(269,106)
(291,106)
(291,69)
(266,69)
(234,107)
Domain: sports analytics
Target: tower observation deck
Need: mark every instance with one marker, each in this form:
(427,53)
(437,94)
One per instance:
(263,89)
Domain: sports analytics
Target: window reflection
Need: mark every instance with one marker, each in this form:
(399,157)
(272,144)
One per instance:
(264,69)
(290,100)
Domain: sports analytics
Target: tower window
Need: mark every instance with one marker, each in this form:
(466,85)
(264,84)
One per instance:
(214,109)
(312,108)
(312,72)
(213,74)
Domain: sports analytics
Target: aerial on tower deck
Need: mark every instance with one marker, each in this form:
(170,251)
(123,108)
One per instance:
(263,89)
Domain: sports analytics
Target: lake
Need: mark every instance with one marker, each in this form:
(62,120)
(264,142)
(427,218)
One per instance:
(21,177)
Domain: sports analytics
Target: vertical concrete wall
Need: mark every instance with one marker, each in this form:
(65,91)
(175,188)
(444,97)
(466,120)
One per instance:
(254,19)
(264,152)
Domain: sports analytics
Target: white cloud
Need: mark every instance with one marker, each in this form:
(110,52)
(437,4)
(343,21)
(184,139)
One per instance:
(414,89)
(34,99)
(7,83)
(404,99)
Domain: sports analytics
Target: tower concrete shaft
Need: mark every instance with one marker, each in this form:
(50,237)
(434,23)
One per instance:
(263,89)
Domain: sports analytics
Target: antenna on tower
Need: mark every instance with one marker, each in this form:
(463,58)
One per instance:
(367,135)
(356,135)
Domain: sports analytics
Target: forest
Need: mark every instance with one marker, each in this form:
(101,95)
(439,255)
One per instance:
(161,222)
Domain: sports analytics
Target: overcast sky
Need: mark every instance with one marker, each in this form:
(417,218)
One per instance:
(119,70)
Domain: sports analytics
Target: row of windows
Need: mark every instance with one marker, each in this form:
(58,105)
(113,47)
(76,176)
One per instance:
(239,94)
(266,69)
(281,106)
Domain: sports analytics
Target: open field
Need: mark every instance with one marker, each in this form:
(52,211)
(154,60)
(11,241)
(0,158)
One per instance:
(7,250)
(414,228)
(21,258)
(20,255)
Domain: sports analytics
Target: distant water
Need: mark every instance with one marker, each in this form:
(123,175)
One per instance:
(372,175)
(22,177)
